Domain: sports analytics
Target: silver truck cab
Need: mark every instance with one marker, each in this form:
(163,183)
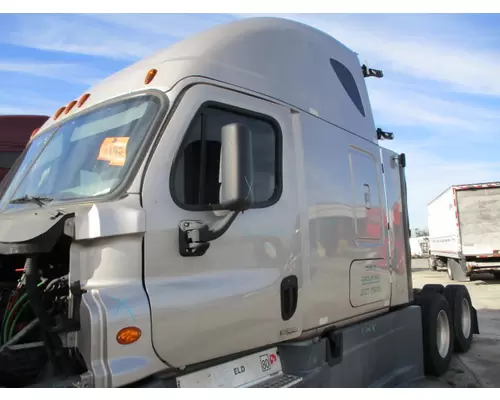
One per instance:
(220,197)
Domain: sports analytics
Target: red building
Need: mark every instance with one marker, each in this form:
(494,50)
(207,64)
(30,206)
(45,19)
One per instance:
(15,132)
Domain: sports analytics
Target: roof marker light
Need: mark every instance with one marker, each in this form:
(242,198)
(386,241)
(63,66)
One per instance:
(83,99)
(59,112)
(150,76)
(70,105)
(35,131)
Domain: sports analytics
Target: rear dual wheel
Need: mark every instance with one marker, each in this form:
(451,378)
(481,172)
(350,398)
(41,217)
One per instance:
(462,316)
(437,335)
(447,325)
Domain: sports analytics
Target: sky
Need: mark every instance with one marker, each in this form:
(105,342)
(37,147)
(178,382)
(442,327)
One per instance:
(440,93)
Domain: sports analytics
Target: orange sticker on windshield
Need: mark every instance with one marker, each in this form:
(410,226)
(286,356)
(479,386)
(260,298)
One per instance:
(114,150)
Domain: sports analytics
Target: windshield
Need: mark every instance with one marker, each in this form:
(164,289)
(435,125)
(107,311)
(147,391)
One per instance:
(84,157)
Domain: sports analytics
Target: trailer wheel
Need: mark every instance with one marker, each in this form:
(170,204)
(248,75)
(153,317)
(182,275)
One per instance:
(432,264)
(461,306)
(437,333)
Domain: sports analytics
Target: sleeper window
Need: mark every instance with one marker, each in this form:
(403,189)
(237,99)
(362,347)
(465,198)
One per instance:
(196,170)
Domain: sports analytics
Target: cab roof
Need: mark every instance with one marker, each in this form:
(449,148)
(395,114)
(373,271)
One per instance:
(279,58)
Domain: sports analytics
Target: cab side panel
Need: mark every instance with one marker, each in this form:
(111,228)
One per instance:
(349,273)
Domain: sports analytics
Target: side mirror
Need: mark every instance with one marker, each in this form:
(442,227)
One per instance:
(236,168)
(236,177)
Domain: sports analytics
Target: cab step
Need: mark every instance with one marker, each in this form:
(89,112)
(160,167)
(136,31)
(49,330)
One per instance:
(259,370)
(280,381)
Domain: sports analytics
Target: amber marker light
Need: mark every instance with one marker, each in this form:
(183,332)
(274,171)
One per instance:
(150,76)
(59,112)
(70,105)
(83,99)
(128,335)
(35,131)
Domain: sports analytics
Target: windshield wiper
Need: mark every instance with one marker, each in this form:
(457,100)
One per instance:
(31,199)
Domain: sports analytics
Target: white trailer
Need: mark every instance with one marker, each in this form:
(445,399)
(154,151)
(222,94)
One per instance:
(464,230)
(419,246)
(220,214)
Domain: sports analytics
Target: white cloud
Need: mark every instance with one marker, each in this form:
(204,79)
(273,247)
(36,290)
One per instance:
(418,46)
(69,72)
(125,37)
(80,35)
(176,26)
(435,134)
(9,110)
(428,175)
(401,106)
(27,102)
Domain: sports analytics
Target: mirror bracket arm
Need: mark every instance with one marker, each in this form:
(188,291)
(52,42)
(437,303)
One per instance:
(195,236)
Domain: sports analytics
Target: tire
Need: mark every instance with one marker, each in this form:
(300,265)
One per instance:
(432,264)
(432,288)
(437,333)
(462,316)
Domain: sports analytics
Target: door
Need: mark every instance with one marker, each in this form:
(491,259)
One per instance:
(369,273)
(242,292)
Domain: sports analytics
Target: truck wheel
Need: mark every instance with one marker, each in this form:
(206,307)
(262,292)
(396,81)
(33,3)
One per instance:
(432,264)
(433,288)
(437,333)
(461,312)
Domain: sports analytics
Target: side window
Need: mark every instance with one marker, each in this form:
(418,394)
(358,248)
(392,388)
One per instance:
(366,200)
(348,83)
(195,176)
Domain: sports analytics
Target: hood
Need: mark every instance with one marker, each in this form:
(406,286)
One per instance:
(36,230)
(31,231)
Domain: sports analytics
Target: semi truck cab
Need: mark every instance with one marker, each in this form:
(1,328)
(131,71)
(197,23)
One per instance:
(223,201)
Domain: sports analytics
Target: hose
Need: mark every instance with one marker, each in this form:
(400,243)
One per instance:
(5,325)
(13,325)
(8,315)
(19,335)
(12,300)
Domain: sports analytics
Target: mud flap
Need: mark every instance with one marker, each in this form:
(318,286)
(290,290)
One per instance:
(475,323)
(459,271)
(334,348)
